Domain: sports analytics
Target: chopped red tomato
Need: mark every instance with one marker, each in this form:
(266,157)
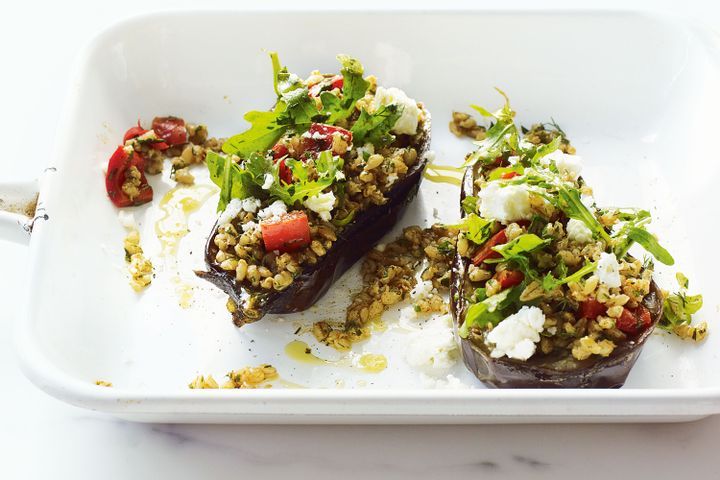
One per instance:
(134,132)
(287,233)
(119,166)
(634,321)
(509,278)
(486,251)
(591,309)
(171,129)
(319,138)
(278,152)
(509,175)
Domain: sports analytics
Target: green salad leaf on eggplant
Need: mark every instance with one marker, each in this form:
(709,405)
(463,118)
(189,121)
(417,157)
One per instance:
(311,186)
(544,291)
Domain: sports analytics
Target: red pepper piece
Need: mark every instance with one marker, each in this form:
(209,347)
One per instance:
(591,309)
(634,321)
(509,278)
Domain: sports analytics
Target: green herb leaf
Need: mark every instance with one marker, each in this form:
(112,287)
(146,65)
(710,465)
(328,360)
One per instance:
(375,127)
(518,253)
(469,204)
(490,310)
(497,173)
(678,308)
(476,228)
(264,132)
(354,88)
(650,243)
(551,283)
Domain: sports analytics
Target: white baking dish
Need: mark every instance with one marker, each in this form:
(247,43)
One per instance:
(636,93)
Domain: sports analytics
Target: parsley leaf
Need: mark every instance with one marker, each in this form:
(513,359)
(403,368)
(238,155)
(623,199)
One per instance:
(678,309)
(375,127)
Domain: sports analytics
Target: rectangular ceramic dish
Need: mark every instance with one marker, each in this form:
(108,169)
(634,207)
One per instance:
(637,94)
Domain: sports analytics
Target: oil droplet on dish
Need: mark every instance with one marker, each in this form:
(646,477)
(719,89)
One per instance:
(184,291)
(176,207)
(301,352)
(378,326)
(372,362)
(280,382)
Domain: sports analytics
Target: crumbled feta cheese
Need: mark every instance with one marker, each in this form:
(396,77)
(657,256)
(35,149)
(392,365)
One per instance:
(421,290)
(516,336)
(268,181)
(250,204)
(408,121)
(505,204)
(608,270)
(339,176)
(513,159)
(231,211)
(578,232)
(429,156)
(127,219)
(433,349)
(249,227)
(322,204)
(408,318)
(275,209)
(392,178)
(571,165)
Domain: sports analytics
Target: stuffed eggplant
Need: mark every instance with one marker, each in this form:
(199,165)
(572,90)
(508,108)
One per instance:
(311,187)
(544,292)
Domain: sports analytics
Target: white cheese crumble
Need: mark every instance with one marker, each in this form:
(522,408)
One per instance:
(451,382)
(588,201)
(433,349)
(322,204)
(505,204)
(516,336)
(268,181)
(392,178)
(570,165)
(250,204)
(408,121)
(339,176)
(249,227)
(608,270)
(127,219)
(275,209)
(578,232)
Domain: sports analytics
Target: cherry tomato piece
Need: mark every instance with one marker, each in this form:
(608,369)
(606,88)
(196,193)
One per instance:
(319,138)
(287,233)
(171,129)
(634,321)
(509,278)
(119,166)
(486,251)
(591,309)
(134,132)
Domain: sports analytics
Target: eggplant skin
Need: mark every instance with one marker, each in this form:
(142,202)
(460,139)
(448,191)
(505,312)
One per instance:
(595,372)
(359,237)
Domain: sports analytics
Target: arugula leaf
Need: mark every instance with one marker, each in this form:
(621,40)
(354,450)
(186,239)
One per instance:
(476,228)
(518,252)
(375,127)
(650,243)
(227,175)
(547,148)
(283,81)
(469,204)
(568,200)
(264,132)
(490,310)
(497,173)
(549,282)
(678,309)
(499,138)
(354,88)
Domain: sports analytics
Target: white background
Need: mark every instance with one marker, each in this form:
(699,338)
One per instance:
(43,438)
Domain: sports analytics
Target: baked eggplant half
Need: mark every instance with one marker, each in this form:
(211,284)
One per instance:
(544,293)
(311,187)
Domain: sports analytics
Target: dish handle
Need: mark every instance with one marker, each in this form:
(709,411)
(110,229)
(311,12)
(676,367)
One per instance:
(18,210)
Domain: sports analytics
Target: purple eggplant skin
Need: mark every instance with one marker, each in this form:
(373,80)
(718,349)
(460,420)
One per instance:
(358,238)
(594,372)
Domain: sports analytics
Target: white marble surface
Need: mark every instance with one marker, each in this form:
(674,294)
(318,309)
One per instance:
(43,438)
